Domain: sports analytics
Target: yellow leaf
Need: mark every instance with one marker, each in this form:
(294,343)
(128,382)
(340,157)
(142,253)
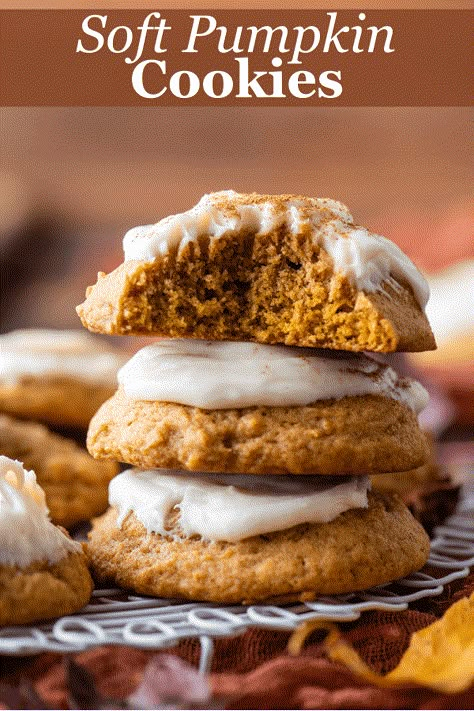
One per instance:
(336,647)
(441,656)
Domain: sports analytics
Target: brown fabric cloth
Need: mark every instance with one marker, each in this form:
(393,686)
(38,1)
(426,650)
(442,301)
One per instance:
(254,671)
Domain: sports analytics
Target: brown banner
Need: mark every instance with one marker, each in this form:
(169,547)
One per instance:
(235,57)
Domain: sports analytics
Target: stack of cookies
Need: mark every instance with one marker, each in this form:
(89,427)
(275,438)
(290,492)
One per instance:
(257,421)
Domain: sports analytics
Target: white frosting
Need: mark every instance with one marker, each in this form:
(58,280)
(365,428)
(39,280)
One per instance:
(367,259)
(231,507)
(71,354)
(26,533)
(223,375)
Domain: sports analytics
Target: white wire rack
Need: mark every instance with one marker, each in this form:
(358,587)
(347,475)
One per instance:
(114,617)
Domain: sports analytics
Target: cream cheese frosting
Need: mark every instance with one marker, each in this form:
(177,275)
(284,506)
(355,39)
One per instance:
(220,507)
(54,353)
(26,533)
(223,375)
(368,260)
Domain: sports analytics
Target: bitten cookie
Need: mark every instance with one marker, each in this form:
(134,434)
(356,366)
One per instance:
(74,483)
(57,377)
(258,409)
(43,573)
(268,268)
(358,549)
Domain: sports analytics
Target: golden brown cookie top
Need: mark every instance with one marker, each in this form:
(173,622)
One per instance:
(354,435)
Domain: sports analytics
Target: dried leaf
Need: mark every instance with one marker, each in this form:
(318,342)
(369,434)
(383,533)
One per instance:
(302,632)
(441,656)
(340,651)
(168,681)
(337,648)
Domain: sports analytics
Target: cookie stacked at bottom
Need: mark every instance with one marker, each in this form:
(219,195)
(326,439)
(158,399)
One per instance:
(259,454)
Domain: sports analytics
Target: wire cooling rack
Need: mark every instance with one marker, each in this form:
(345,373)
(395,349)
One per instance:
(114,617)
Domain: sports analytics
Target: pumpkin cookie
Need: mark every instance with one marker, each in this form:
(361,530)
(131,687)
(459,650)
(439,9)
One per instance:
(57,377)
(359,548)
(268,268)
(258,409)
(429,492)
(356,435)
(404,483)
(43,573)
(74,483)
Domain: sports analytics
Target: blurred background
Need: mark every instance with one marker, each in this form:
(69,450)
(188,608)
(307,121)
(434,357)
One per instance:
(73,180)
